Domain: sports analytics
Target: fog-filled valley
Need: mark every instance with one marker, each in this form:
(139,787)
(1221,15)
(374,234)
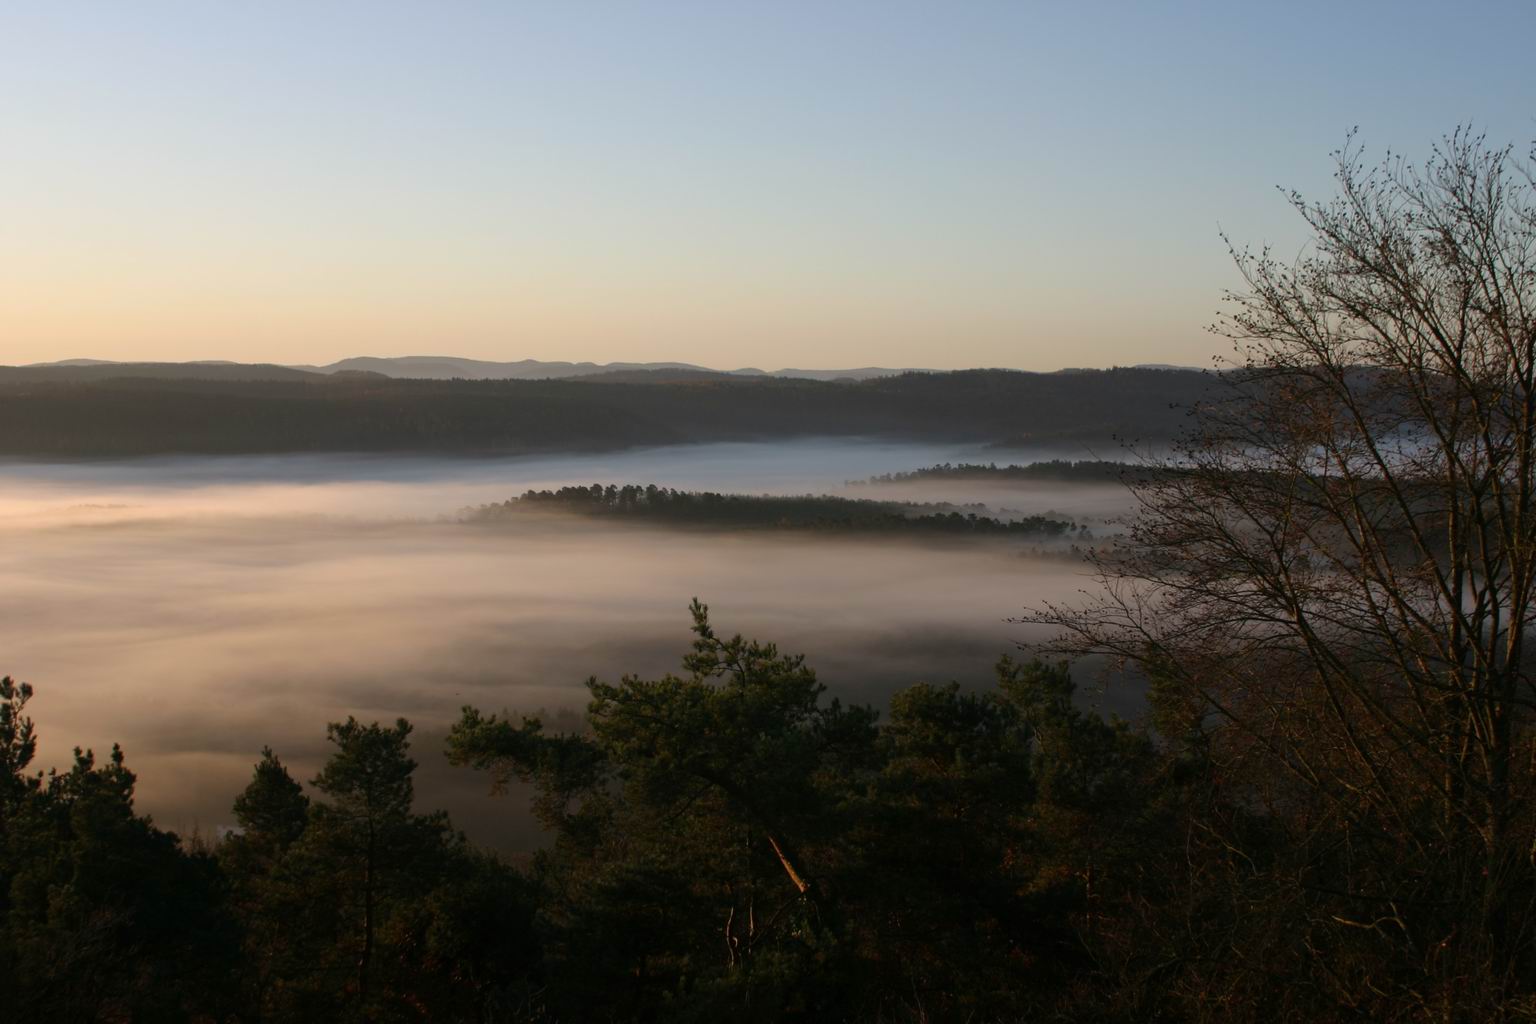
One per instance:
(794,513)
(195,609)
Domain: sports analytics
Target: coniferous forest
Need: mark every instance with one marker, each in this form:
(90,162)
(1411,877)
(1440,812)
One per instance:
(822,513)
(723,842)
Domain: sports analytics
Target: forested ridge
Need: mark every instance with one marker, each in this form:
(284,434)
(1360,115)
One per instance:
(43,414)
(1075,471)
(668,506)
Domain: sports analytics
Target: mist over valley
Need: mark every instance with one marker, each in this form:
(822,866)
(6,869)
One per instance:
(196,608)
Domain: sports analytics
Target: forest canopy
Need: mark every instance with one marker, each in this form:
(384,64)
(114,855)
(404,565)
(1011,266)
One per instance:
(42,415)
(724,842)
(1063,470)
(669,507)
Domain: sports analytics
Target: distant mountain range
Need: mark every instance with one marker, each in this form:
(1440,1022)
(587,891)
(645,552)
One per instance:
(107,409)
(445,368)
(76,370)
(451,367)
(448,367)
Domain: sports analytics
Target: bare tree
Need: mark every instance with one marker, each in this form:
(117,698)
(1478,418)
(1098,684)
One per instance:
(1334,573)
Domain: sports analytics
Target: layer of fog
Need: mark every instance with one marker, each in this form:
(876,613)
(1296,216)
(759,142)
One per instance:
(197,609)
(411,486)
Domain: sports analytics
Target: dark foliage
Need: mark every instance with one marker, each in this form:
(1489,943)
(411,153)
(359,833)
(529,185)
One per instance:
(351,908)
(730,843)
(727,843)
(665,506)
(44,414)
(106,917)
(1065,470)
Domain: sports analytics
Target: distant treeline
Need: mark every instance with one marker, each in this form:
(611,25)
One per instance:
(49,413)
(741,511)
(1083,471)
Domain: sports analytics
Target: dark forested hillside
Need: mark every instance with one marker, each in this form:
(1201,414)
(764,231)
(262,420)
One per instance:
(1064,470)
(41,415)
(668,507)
(80,372)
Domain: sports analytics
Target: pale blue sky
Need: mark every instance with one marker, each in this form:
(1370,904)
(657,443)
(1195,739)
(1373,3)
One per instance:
(771,184)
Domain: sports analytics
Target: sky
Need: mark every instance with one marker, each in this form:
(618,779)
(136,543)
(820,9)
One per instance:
(813,184)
